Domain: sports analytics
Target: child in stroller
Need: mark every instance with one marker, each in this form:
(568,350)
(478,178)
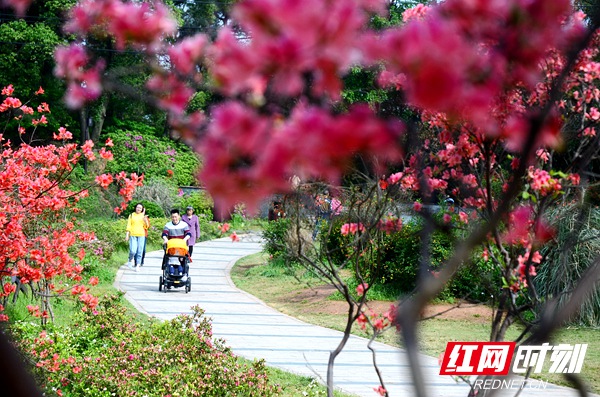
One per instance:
(175,266)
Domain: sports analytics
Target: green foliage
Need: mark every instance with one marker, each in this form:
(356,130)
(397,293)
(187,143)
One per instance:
(391,265)
(336,245)
(153,210)
(476,281)
(359,86)
(97,253)
(160,192)
(274,235)
(566,262)
(154,238)
(208,229)
(138,149)
(202,203)
(112,233)
(105,354)
(200,101)
(204,16)
(398,259)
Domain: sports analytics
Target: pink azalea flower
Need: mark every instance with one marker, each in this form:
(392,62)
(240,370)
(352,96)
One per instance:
(104,180)
(345,229)
(8,90)
(361,288)
(63,134)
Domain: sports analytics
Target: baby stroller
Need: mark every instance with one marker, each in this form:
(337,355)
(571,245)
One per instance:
(175,267)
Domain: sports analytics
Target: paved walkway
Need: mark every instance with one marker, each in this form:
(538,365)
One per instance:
(254,330)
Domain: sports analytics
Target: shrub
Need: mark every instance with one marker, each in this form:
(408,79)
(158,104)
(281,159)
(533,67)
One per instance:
(392,263)
(159,192)
(202,203)
(334,242)
(208,229)
(274,234)
(153,210)
(112,234)
(565,262)
(399,258)
(476,281)
(137,148)
(105,354)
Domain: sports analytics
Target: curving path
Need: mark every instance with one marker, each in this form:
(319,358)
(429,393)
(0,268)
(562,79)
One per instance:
(254,330)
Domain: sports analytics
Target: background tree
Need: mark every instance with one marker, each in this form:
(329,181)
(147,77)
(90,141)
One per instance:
(203,17)
(30,42)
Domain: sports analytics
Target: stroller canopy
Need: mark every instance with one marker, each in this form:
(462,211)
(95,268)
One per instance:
(176,246)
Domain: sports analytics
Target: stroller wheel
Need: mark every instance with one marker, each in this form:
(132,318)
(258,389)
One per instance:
(160,283)
(188,285)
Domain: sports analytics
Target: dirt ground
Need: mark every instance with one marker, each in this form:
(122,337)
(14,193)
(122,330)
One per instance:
(315,299)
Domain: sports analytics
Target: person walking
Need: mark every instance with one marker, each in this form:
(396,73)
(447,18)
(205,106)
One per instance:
(193,222)
(175,229)
(135,235)
(323,212)
(146,226)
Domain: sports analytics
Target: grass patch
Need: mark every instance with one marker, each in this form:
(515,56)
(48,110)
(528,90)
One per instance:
(300,386)
(288,292)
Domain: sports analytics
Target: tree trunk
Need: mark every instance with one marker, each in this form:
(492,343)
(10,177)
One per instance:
(99,115)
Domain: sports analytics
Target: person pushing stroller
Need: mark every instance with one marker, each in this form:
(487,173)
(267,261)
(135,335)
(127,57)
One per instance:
(175,229)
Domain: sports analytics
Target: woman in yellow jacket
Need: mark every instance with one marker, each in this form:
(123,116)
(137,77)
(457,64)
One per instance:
(137,224)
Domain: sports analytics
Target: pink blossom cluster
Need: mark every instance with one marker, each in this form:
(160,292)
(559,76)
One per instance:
(459,57)
(462,61)
(248,155)
(224,227)
(379,321)
(351,228)
(142,25)
(542,182)
(523,229)
(83,81)
(526,267)
(336,206)
(362,288)
(390,224)
(290,39)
